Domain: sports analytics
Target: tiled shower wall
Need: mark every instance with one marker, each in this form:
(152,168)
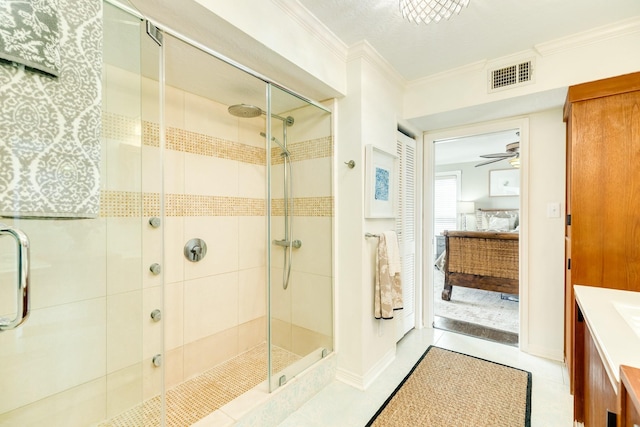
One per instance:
(214,185)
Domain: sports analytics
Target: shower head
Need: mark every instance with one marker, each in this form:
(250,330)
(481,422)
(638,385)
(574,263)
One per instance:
(285,152)
(245,111)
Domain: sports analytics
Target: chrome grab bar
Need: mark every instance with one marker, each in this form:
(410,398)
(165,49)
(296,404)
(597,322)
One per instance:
(22,311)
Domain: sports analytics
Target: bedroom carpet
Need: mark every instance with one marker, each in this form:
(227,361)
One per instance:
(476,306)
(446,388)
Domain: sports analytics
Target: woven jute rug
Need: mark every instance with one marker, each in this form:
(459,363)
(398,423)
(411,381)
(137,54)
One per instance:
(446,388)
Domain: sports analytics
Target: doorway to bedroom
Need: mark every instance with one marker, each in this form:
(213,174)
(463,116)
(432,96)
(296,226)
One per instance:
(476,222)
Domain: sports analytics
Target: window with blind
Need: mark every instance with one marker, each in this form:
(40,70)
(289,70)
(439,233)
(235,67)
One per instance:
(446,194)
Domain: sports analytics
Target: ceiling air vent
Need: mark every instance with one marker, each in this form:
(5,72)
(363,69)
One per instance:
(512,75)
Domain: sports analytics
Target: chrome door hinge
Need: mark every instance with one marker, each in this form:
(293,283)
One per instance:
(155,33)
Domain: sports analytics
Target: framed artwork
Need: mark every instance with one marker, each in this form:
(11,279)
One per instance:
(504,182)
(380,183)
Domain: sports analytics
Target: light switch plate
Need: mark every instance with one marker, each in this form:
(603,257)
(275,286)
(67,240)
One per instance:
(553,210)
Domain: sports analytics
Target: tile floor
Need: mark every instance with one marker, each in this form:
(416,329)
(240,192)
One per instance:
(339,405)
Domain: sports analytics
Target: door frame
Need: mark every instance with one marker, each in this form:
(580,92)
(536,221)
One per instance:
(426,194)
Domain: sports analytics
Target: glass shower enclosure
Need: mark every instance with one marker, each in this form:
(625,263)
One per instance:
(205,269)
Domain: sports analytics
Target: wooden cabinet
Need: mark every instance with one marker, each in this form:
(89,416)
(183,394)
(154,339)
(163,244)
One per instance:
(603,192)
(595,399)
(629,396)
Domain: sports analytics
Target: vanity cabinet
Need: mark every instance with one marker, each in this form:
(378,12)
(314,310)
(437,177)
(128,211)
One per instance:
(595,399)
(603,192)
(607,344)
(629,396)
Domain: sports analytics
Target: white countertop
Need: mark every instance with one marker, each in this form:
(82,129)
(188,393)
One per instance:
(617,343)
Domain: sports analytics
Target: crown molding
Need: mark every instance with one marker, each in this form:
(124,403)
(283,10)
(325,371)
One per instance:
(464,69)
(364,50)
(314,26)
(595,35)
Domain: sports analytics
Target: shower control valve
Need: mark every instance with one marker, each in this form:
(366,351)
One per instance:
(195,250)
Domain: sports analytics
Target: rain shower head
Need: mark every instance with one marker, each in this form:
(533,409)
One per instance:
(245,111)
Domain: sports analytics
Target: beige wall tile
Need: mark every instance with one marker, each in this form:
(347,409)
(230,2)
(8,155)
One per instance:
(252,294)
(252,180)
(312,302)
(124,254)
(312,177)
(210,305)
(248,131)
(252,242)
(174,241)
(280,298)
(174,367)
(306,341)
(174,172)
(152,332)
(123,163)
(173,315)
(151,169)
(174,107)
(221,236)
(315,254)
(67,262)
(210,176)
(122,92)
(69,337)
(210,351)
(150,100)
(252,333)
(124,389)
(124,330)
(75,407)
(281,334)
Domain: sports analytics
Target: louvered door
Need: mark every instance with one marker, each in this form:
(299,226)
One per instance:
(406,228)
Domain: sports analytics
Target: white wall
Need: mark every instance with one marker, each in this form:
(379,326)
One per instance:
(367,116)
(560,63)
(475,185)
(546,235)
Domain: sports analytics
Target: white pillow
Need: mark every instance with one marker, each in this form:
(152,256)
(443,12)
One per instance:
(499,224)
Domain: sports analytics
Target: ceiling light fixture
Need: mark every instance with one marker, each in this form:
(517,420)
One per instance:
(420,11)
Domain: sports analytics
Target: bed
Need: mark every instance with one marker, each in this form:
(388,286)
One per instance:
(485,260)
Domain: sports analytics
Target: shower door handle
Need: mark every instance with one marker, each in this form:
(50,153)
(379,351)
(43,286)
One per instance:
(22,306)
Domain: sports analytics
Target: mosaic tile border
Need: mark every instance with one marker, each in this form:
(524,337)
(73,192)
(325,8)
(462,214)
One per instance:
(124,128)
(126,204)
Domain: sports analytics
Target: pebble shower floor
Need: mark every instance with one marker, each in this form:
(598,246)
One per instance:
(196,398)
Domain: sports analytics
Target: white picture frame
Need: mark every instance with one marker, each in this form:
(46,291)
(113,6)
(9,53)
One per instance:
(504,182)
(380,183)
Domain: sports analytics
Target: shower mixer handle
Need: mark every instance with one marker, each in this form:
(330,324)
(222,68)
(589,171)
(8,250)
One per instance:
(195,250)
(286,243)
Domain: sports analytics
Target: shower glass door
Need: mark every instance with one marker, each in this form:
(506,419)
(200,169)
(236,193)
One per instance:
(300,158)
(83,356)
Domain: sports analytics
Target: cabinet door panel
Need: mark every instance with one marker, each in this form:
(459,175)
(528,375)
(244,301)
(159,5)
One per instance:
(605,193)
(599,395)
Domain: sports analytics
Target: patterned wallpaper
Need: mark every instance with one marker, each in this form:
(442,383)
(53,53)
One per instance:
(50,127)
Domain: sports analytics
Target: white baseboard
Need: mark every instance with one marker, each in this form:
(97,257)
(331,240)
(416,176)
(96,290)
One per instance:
(362,382)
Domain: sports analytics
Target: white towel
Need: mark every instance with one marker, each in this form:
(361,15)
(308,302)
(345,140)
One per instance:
(393,252)
(388,286)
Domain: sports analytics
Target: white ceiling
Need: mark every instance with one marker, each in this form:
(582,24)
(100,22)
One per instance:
(486,29)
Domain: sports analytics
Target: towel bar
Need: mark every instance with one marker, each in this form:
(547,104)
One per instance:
(371,235)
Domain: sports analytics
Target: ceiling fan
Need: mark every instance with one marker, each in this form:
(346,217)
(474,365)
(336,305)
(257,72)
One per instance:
(512,152)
